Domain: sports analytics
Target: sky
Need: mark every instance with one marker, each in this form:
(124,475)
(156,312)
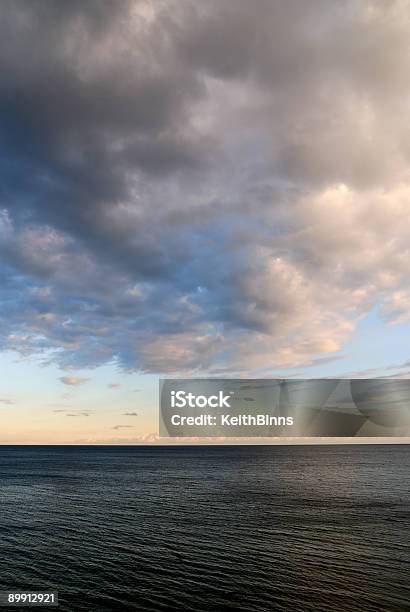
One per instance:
(196,189)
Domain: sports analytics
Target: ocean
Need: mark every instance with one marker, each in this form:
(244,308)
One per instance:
(255,528)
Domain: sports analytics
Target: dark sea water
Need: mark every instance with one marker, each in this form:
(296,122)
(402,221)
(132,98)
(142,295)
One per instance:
(208,528)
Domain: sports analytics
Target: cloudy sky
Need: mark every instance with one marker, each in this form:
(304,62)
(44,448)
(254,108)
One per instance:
(217,187)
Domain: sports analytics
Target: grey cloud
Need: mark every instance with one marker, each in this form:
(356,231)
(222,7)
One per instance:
(193,186)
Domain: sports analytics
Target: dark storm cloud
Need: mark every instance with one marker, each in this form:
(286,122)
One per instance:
(184,184)
(73,128)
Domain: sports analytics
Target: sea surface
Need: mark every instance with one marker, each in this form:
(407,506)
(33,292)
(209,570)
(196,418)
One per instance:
(295,528)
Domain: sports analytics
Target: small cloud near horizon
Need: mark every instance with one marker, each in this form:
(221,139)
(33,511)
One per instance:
(122,426)
(7,402)
(130,413)
(73,381)
(114,386)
